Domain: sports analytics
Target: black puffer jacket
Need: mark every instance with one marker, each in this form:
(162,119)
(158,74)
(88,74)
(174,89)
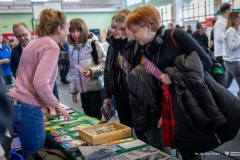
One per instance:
(200,122)
(127,53)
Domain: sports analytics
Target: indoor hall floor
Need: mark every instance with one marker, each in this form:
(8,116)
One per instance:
(231,146)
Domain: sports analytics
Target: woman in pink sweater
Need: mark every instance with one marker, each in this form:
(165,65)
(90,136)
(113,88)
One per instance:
(36,75)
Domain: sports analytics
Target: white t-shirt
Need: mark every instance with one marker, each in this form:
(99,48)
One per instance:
(219,30)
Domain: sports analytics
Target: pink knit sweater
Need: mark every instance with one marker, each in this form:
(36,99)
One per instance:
(37,73)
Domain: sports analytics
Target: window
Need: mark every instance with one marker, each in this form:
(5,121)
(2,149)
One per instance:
(226,1)
(198,10)
(210,8)
(6,0)
(132,2)
(166,14)
(71,0)
(39,0)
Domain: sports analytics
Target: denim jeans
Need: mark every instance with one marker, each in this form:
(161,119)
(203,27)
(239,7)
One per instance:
(29,123)
(55,90)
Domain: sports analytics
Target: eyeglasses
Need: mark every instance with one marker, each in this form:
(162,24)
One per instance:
(24,35)
(112,28)
(122,29)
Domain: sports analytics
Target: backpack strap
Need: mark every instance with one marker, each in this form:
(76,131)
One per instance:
(94,53)
(174,42)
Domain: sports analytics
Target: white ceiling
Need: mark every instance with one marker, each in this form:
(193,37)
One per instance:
(24,6)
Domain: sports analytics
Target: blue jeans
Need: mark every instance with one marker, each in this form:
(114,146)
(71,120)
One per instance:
(55,90)
(29,123)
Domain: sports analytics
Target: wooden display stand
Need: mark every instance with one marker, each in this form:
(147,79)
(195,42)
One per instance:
(122,131)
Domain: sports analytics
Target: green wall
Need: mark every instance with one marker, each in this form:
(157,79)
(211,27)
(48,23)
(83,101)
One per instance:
(7,21)
(94,20)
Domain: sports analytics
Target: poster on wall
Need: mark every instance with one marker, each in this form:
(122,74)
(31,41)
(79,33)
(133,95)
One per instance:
(9,36)
(95,31)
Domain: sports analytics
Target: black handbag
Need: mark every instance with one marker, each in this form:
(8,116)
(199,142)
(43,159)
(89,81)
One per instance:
(145,87)
(142,84)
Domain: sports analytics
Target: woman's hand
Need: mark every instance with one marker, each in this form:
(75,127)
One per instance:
(47,110)
(74,98)
(87,73)
(60,110)
(108,101)
(159,125)
(165,79)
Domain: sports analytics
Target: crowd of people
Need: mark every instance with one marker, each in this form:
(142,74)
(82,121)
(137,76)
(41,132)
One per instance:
(171,104)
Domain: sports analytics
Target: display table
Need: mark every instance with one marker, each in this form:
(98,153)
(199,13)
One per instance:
(51,142)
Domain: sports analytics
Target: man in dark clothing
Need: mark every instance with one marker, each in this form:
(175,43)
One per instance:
(201,37)
(212,38)
(63,62)
(23,35)
(189,29)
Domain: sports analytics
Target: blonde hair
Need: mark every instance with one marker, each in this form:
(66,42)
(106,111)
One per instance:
(122,15)
(49,20)
(114,17)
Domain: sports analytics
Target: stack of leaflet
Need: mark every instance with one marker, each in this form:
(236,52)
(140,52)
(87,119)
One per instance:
(147,153)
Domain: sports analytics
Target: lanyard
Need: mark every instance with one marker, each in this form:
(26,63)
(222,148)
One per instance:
(150,67)
(124,64)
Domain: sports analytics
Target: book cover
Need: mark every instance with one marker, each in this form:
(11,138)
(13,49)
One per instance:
(108,112)
(150,67)
(136,154)
(124,64)
(96,152)
(79,68)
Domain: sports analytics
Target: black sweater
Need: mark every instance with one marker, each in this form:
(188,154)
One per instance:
(202,40)
(15,58)
(168,52)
